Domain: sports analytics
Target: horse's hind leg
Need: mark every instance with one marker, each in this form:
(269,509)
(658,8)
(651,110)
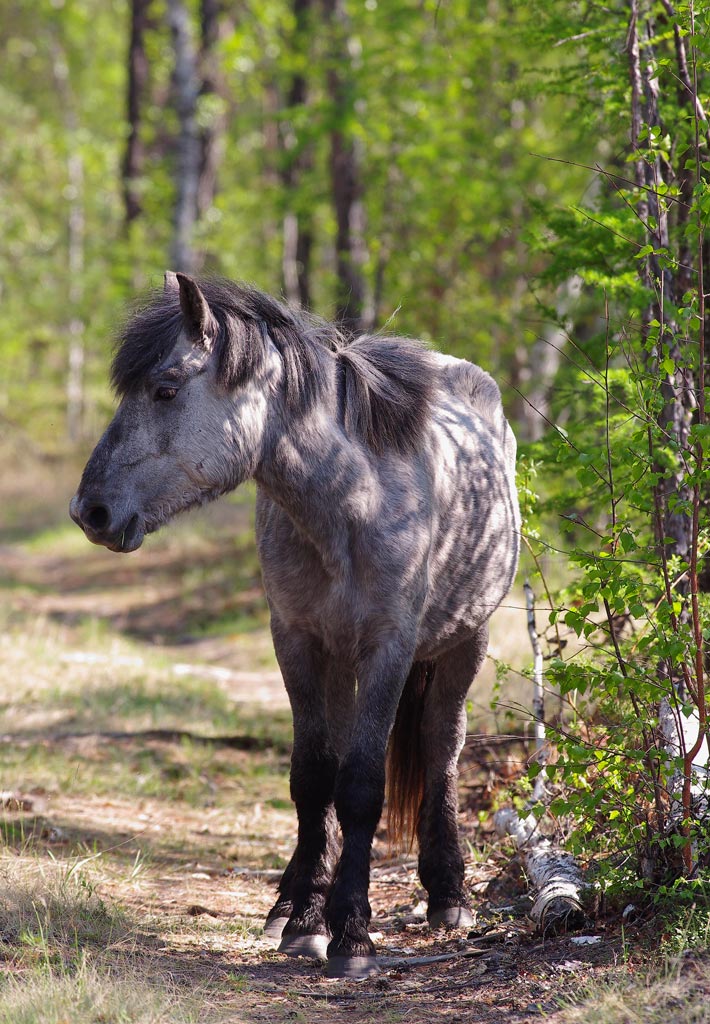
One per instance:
(441,866)
(305,884)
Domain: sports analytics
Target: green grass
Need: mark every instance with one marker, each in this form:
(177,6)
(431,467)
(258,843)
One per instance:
(196,774)
(51,913)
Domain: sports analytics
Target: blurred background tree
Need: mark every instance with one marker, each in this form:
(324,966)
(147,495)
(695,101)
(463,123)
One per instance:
(379,162)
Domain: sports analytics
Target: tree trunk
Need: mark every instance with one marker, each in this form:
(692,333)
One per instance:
(354,310)
(678,387)
(75,246)
(297,160)
(134,156)
(554,876)
(212,89)
(188,158)
(676,529)
(75,250)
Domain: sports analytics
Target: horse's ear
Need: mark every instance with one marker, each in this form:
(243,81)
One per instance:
(199,321)
(170,282)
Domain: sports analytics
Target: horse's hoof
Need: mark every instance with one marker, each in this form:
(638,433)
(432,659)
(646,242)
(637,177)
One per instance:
(354,968)
(312,946)
(451,917)
(274,927)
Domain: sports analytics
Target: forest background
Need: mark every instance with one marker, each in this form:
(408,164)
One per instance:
(520,184)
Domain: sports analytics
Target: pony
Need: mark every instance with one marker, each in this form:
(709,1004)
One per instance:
(388,530)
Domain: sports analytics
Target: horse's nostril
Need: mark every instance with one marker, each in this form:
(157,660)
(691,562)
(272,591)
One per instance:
(97,518)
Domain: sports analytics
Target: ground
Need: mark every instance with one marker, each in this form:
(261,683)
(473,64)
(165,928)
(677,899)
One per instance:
(146,816)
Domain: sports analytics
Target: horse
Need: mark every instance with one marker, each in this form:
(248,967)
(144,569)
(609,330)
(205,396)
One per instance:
(387,529)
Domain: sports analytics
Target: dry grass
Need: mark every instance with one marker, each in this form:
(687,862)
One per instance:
(95,995)
(681,995)
(51,911)
(65,948)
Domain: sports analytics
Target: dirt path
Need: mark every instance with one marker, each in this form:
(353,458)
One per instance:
(118,689)
(197,904)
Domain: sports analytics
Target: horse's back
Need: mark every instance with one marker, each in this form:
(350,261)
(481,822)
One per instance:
(475,518)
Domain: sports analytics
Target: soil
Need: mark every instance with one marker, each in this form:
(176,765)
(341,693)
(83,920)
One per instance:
(190,893)
(199,901)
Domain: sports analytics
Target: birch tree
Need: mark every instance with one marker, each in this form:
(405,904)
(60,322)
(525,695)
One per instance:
(186,87)
(296,163)
(352,300)
(133,163)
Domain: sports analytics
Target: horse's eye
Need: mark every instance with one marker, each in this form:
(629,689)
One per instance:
(165,394)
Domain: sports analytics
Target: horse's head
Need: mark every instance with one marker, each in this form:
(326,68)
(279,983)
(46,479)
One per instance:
(182,434)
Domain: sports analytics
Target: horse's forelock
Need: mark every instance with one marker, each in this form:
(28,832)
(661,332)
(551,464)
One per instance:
(147,337)
(248,320)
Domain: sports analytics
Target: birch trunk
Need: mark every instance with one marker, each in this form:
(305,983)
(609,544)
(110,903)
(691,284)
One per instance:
(187,171)
(676,529)
(680,735)
(555,879)
(297,160)
(133,163)
(213,88)
(354,305)
(75,250)
(678,387)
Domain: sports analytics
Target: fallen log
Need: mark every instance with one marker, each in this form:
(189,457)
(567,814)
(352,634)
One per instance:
(554,876)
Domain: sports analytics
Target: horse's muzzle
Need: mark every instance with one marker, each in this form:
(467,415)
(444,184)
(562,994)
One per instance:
(101,526)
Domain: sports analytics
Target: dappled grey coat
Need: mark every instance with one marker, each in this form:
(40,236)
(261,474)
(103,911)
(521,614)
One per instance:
(388,533)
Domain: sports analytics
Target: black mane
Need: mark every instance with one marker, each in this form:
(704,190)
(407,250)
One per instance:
(386,382)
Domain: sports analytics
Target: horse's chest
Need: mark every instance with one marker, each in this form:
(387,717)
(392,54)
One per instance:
(305,598)
(299,586)
(340,592)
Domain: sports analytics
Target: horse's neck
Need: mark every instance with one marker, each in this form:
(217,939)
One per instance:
(322,481)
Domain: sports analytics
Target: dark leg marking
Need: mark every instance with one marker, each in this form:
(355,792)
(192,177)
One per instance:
(359,796)
(441,865)
(306,882)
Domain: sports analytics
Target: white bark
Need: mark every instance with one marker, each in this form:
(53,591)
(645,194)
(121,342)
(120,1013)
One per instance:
(679,735)
(187,89)
(75,368)
(538,704)
(75,250)
(554,876)
(555,879)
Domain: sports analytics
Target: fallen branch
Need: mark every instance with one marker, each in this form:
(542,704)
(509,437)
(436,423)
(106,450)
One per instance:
(554,875)
(421,961)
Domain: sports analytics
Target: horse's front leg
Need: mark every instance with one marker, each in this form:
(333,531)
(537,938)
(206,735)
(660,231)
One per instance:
(359,796)
(305,885)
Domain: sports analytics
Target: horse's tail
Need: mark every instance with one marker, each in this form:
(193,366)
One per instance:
(405,757)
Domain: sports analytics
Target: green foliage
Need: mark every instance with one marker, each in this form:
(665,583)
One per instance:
(452,177)
(627,479)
